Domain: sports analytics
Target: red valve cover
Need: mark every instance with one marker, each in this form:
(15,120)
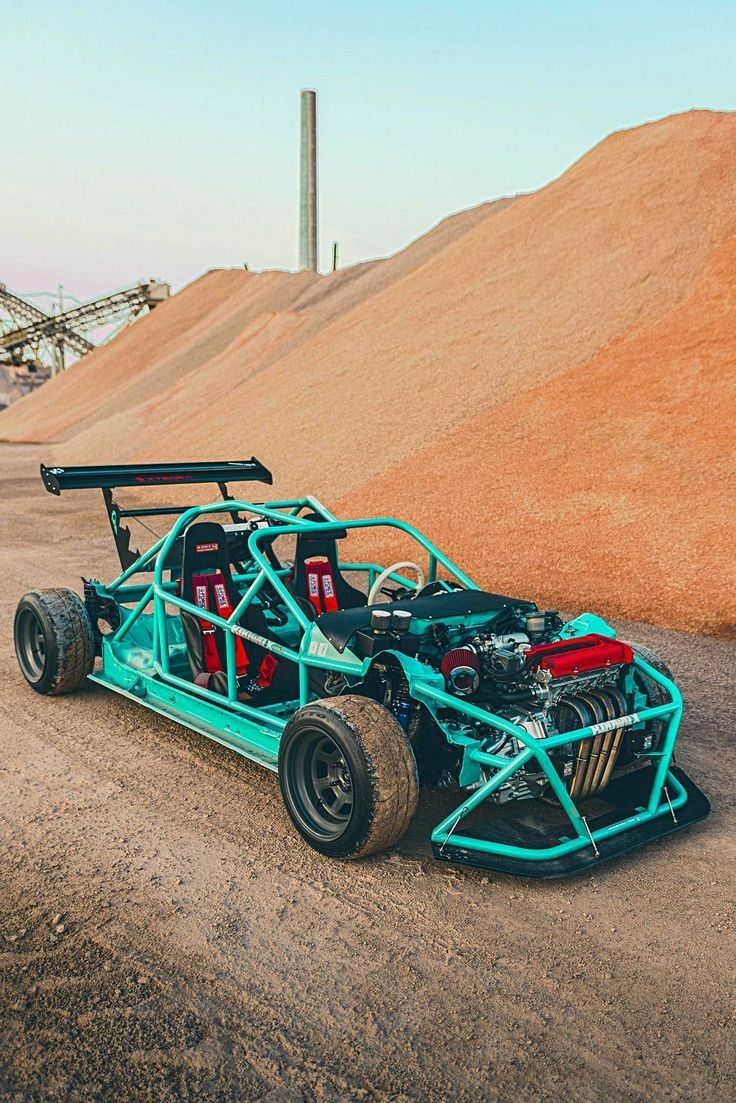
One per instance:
(566,657)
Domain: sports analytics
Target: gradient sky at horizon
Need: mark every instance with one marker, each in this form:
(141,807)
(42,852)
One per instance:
(162,139)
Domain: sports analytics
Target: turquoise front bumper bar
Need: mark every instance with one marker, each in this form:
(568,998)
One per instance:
(669,792)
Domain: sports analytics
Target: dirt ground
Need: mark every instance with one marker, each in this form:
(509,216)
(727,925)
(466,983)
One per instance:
(164,936)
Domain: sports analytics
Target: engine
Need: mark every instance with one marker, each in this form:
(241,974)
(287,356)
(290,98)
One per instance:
(520,666)
(549,686)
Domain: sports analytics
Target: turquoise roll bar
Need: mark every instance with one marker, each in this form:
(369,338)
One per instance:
(501,768)
(161,592)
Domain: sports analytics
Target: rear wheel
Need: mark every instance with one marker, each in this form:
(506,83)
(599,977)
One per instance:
(54,640)
(348,776)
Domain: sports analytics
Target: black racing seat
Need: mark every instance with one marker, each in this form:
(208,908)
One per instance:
(319,584)
(206,581)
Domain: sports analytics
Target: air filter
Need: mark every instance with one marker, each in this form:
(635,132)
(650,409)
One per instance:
(461,670)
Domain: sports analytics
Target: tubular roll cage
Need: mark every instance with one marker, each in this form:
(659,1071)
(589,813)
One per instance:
(259,737)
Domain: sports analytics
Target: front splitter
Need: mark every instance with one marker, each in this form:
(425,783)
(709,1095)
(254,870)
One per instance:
(623,797)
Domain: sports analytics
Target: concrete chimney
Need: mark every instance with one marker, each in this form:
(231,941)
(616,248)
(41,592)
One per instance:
(308,183)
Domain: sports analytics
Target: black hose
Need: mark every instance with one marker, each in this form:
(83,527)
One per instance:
(509,698)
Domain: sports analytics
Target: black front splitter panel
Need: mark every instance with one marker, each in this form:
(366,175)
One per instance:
(623,797)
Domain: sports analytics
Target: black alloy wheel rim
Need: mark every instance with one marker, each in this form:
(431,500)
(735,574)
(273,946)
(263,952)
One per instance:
(321,786)
(30,645)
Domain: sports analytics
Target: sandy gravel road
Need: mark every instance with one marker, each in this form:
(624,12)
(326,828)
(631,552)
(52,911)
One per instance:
(164,936)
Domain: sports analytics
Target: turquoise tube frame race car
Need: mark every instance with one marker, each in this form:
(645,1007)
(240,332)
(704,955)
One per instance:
(358,682)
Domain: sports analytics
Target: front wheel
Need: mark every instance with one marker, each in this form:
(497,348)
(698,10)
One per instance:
(54,640)
(348,776)
(654,693)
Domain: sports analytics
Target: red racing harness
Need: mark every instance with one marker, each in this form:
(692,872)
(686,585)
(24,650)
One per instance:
(211,588)
(321,586)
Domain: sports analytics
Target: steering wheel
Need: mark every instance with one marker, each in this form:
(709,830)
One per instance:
(378,588)
(441,586)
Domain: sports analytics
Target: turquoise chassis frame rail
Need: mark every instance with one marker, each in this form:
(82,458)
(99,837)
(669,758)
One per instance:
(144,658)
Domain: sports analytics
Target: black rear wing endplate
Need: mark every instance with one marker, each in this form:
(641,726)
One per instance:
(110,478)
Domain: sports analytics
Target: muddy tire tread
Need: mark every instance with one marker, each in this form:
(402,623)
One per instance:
(74,651)
(392,768)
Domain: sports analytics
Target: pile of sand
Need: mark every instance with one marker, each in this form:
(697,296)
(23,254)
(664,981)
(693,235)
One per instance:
(546,385)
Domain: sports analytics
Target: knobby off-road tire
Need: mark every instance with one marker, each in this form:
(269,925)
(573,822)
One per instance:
(54,641)
(348,776)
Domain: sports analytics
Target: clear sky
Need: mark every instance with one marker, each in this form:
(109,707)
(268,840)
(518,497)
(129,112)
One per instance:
(161,138)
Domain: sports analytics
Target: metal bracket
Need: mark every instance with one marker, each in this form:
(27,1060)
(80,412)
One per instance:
(227,497)
(120,533)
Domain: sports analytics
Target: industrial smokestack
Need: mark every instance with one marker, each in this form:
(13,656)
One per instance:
(308,183)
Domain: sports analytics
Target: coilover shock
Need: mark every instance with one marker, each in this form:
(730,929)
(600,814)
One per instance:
(402,704)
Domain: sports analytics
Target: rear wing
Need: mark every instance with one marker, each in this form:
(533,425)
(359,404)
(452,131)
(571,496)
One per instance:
(110,478)
(56,479)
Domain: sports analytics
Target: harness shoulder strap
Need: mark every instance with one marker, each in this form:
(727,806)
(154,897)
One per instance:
(329,595)
(224,609)
(210,654)
(313,569)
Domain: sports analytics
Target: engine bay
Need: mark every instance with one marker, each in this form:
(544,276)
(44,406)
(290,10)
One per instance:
(516,662)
